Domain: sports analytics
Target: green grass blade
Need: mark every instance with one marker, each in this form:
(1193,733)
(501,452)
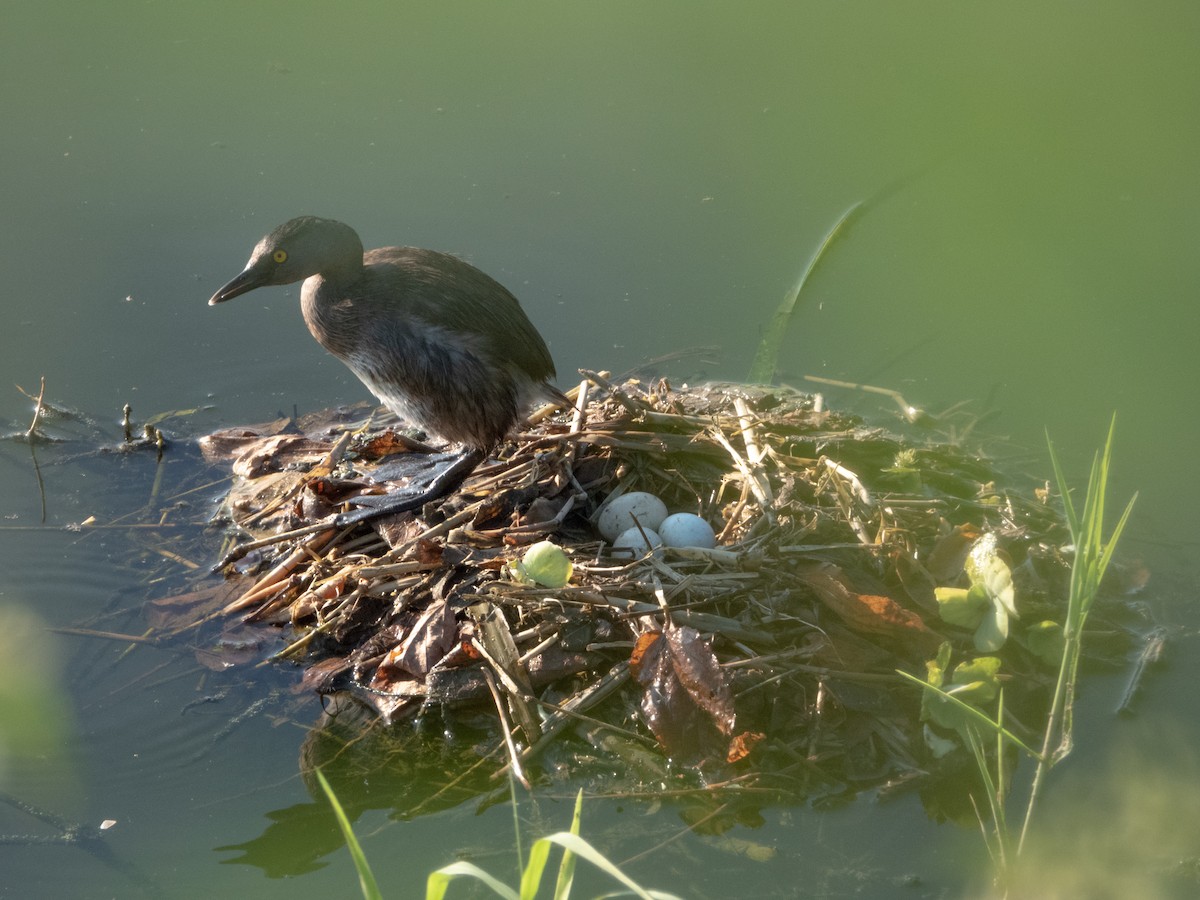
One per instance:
(995,845)
(439,881)
(584,850)
(366,879)
(531,878)
(566,869)
(766,359)
(1106,555)
(1064,490)
(516,816)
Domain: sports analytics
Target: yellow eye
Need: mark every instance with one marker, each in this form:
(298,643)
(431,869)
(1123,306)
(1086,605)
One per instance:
(279,256)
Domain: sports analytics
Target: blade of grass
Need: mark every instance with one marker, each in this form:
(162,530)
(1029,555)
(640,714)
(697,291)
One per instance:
(531,878)
(996,842)
(516,813)
(584,850)
(366,879)
(439,881)
(566,869)
(762,370)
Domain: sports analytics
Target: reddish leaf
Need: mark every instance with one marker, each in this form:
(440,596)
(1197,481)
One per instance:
(385,444)
(640,649)
(742,744)
(429,553)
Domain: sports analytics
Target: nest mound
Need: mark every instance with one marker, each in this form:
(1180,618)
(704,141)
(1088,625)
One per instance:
(776,650)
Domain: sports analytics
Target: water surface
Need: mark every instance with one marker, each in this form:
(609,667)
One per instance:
(645,179)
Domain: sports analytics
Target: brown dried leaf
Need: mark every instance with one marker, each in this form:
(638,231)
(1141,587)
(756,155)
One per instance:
(251,501)
(429,553)
(184,610)
(869,613)
(696,667)
(945,560)
(685,698)
(398,530)
(280,452)
(319,677)
(917,582)
(230,442)
(426,643)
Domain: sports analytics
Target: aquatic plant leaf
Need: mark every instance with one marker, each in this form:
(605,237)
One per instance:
(985,567)
(942,712)
(1045,641)
(975,680)
(935,669)
(766,358)
(544,563)
(938,745)
(960,606)
(366,880)
(991,576)
(993,629)
(933,705)
(439,880)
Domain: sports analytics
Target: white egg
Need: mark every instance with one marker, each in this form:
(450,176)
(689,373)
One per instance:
(618,515)
(632,540)
(687,530)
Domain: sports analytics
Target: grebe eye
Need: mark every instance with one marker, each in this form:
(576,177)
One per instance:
(279,256)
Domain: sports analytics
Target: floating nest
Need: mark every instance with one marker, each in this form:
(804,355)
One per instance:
(770,659)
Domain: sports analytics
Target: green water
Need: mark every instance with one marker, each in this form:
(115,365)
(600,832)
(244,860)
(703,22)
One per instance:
(646,178)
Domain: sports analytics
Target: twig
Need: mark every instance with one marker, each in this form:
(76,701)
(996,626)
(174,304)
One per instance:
(273,579)
(37,412)
(514,757)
